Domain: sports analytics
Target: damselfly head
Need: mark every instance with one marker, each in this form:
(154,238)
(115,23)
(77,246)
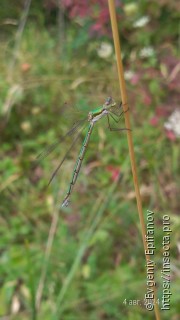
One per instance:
(108,101)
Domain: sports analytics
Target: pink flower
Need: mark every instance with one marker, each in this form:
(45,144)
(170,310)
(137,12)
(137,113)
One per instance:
(154,121)
(25,67)
(114,172)
(170,135)
(135,79)
(96,27)
(161,111)
(147,100)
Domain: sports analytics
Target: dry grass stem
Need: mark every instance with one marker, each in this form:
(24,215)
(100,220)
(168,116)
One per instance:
(129,133)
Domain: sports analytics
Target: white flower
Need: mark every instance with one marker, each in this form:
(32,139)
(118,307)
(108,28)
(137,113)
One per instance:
(173,122)
(146,52)
(128,74)
(141,22)
(105,50)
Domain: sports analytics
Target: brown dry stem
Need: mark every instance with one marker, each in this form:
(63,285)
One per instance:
(129,132)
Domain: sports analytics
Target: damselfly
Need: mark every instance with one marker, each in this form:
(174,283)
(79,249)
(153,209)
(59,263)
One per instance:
(109,109)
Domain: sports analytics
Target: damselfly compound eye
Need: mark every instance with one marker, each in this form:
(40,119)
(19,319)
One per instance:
(108,101)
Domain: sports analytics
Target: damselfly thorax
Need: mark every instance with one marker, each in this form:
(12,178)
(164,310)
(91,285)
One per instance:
(98,113)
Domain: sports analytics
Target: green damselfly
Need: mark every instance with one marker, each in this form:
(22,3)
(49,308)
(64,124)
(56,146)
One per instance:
(110,110)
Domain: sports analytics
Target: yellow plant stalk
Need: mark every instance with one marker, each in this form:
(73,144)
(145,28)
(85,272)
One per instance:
(122,84)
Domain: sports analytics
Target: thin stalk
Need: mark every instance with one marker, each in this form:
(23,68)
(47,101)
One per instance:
(122,85)
(18,37)
(61,27)
(31,280)
(52,231)
(98,209)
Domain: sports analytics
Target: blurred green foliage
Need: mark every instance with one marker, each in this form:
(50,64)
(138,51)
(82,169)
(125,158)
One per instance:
(93,259)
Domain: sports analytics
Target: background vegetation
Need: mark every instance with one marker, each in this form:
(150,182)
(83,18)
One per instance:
(83,261)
